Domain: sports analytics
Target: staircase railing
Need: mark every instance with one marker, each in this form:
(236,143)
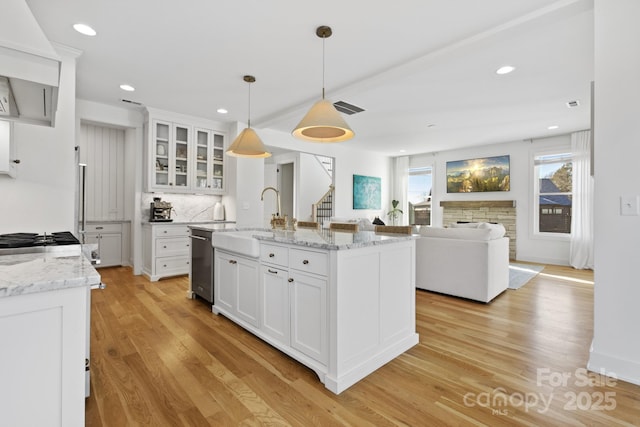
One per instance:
(323,209)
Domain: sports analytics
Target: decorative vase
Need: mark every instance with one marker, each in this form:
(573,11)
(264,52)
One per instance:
(218,212)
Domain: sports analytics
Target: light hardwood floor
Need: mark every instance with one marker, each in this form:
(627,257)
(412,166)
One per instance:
(161,359)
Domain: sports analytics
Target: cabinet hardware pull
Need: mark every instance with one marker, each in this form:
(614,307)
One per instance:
(290,280)
(164,247)
(272,271)
(305,262)
(16,161)
(272,255)
(99,228)
(231,261)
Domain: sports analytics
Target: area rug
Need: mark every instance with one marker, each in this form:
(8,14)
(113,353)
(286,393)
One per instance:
(520,274)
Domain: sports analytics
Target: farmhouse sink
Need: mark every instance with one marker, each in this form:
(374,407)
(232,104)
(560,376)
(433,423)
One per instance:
(241,242)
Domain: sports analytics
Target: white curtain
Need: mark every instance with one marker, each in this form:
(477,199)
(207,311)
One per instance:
(399,193)
(581,249)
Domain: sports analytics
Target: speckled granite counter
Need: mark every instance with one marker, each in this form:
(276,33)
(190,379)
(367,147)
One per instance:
(319,239)
(40,272)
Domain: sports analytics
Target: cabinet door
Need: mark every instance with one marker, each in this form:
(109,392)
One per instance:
(182,167)
(161,147)
(226,276)
(247,293)
(217,182)
(110,249)
(7,149)
(275,303)
(309,315)
(203,159)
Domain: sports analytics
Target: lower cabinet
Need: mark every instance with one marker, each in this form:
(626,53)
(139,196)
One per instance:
(109,238)
(165,250)
(308,305)
(294,305)
(236,285)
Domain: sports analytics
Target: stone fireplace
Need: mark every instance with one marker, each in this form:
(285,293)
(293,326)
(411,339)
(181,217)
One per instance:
(501,211)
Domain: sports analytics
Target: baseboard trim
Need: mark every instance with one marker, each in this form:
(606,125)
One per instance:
(625,370)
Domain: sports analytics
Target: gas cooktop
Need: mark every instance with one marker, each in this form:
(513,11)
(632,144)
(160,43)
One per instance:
(28,240)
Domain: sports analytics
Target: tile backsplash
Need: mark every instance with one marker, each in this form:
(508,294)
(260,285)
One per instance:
(186,207)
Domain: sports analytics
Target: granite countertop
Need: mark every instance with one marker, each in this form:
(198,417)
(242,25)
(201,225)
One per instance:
(41,272)
(319,239)
(332,239)
(187,222)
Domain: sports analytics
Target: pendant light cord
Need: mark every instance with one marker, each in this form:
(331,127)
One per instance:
(249,109)
(323,55)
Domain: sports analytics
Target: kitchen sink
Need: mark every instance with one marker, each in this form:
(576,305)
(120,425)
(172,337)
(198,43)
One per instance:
(242,242)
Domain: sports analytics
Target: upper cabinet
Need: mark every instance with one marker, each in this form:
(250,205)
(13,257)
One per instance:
(184,157)
(7,150)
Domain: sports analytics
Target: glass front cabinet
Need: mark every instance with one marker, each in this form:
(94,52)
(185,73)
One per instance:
(185,158)
(209,161)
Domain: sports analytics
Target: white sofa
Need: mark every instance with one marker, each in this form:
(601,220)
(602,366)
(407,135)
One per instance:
(465,260)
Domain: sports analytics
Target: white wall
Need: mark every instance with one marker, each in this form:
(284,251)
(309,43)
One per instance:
(529,247)
(348,162)
(616,348)
(41,197)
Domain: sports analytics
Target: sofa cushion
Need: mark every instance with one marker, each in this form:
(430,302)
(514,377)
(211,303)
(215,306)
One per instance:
(496,231)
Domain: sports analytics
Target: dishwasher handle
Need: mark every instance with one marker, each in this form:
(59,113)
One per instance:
(198,237)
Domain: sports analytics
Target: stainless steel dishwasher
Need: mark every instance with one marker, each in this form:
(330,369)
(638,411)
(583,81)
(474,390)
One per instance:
(202,264)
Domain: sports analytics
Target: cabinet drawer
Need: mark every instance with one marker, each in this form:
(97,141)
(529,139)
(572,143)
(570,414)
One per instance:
(171,230)
(171,266)
(173,246)
(309,261)
(104,228)
(272,254)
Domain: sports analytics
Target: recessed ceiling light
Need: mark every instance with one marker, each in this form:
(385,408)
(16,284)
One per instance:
(222,110)
(403,151)
(552,127)
(505,69)
(84,29)
(128,88)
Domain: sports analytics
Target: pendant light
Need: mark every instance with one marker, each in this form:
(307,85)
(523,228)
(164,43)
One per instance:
(248,143)
(323,123)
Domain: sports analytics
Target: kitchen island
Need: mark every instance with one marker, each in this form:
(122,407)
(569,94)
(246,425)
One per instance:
(44,302)
(341,303)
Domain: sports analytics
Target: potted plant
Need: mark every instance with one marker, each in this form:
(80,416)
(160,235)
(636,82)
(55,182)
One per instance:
(394,213)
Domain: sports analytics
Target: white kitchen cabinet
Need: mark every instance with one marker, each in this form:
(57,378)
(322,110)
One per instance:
(209,170)
(327,308)
(293,301)
(109,238)
(184,154)
(8,160)
(170,148)
(165,250)
(42,365)
(275,315)
(236,285)
(308,306)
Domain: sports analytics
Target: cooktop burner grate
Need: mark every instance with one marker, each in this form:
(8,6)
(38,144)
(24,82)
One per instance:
(25,240)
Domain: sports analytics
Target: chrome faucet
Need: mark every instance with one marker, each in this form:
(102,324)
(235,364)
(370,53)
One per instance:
(277,198)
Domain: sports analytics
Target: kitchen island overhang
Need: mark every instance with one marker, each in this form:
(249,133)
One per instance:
(349,299)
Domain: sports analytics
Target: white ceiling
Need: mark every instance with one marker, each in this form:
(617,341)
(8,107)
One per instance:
(424,70)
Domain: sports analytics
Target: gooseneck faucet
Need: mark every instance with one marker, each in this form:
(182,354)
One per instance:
(277,197)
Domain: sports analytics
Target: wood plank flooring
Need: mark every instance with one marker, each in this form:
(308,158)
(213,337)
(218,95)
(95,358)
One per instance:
(161,359)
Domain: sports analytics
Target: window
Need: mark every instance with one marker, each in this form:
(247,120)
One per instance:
(553,193)
(419,196)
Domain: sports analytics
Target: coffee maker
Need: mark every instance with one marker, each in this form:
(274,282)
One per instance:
(160,211)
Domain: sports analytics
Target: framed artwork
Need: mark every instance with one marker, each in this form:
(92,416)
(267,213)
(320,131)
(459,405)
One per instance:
(367,191)
(478,175)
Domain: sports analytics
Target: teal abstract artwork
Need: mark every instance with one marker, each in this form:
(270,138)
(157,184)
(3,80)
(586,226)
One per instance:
(367,192)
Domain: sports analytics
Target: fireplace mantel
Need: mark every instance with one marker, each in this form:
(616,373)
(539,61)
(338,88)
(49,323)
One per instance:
(474,204)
